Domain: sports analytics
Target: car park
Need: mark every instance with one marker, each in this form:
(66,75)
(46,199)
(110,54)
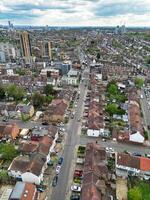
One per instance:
(58,168)
(76,188)
(60,161)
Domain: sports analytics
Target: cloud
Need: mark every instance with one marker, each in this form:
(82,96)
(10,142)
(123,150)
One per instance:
(114,8)
(75,12)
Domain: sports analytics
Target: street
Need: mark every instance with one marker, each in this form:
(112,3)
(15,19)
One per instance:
(73,138)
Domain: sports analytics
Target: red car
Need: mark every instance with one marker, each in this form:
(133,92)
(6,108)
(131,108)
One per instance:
(78,173)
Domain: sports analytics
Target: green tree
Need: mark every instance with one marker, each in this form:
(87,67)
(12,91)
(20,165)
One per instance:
(49,98)
(112,108)
(2,92)
(112,89)
(38,99)
(134,194)
(139,82)
(4,177)
(8,151)
(98,56)
(48,90)
(145,135)
(16,92)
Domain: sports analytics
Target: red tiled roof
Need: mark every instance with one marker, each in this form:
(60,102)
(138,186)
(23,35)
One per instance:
(29,192)
(144,164)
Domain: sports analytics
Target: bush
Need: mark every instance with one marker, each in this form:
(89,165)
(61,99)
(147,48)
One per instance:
(145,135)
(8,152)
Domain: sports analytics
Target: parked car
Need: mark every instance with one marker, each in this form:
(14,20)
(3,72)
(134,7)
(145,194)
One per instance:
(58,168)
(76,188)
(41,188)
(78,173)
(60,161)
(45,123)
(75,197)
(137,154)
(50,163)
(55,180)
(59,140)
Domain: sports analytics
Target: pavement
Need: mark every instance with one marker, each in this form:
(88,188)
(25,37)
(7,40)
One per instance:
(145,111)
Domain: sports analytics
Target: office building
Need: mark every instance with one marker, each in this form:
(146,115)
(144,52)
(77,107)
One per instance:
(26,46)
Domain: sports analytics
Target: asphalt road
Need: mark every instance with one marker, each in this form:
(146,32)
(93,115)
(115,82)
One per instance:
(73,138)
(118,147)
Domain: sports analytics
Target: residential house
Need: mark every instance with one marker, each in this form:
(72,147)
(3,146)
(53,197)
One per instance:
(135,119)
(28,168)
(27,110)
(127,164)
(24,191)
(95,119)
(56,111)
(95,173)
(9,131)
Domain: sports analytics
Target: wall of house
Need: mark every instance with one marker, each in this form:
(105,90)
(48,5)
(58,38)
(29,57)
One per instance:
(31,113)
(15,174)
(15,132)
(137,137)
(31,178)
(54,143)
(93,133)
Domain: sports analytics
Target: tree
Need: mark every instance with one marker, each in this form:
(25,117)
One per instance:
(16,92)
(145,135)
(8,151)
(48,90)
(112,89)
(2,92)
(4,177)
(134,194)
(139,82)
(112,109)
(38,99)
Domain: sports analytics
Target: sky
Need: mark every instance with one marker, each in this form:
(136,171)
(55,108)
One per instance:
(76,12)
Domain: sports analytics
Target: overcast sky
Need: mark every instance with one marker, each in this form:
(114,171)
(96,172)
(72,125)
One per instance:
(76,12)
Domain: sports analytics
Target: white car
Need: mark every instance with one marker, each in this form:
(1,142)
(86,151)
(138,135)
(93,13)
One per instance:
(58,168)
(76,188)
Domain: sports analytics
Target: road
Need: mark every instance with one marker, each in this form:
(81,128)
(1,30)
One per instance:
(118,147)
(73,138)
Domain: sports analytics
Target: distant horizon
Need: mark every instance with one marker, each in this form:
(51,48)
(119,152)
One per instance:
(73,26)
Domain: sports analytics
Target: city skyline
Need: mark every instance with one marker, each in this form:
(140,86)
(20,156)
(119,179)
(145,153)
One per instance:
(76,13)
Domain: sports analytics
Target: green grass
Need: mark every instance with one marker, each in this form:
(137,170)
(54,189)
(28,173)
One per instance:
(140,191)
